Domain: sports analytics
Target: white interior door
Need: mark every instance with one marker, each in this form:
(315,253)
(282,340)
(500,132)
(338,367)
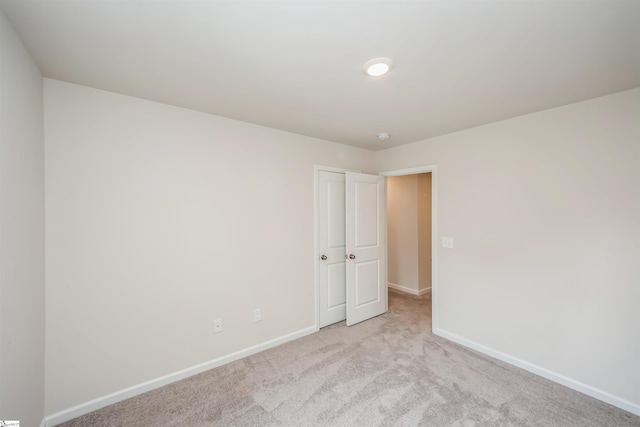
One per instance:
(331,240)
(365,227)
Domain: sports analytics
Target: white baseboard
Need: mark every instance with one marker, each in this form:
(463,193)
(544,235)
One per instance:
(409,290)
(110,399)
(87,407)
(604,396)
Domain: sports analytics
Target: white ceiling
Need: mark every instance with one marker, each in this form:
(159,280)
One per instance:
(297,65)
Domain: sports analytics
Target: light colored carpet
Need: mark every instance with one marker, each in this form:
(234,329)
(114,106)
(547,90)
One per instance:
(390,370)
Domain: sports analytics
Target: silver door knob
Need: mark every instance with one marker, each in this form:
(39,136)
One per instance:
(323,257)
(352,256)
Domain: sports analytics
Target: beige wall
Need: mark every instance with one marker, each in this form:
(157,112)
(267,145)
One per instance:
(424,231)
(160,220)
(545,213)
(409,232)
(22,286)
(402,232)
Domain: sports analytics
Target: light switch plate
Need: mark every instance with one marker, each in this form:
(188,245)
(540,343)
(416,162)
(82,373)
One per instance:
(447,242)
(217,326)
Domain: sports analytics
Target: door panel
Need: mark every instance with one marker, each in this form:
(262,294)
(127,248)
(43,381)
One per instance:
(366,213)
(367,283)
(331,241)
(337,286)
(335,211)
(365,229)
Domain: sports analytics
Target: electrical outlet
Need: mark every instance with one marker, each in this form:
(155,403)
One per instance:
(217,326)
(447,242)
(257,314)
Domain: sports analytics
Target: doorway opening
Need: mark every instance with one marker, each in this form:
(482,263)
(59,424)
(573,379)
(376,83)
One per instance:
(411,235)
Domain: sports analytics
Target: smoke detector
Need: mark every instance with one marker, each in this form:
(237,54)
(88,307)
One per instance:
(383,136)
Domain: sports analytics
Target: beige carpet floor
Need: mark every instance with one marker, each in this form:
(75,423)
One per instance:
(387,371)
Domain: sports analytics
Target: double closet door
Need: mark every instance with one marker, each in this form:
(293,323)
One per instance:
(352,264)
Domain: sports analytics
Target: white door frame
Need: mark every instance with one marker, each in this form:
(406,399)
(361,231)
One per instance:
(434,231)
(316,227)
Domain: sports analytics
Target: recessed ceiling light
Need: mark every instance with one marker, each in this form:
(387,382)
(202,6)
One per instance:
(378,66)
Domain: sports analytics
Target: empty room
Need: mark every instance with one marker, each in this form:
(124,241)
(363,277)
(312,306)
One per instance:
(325,213)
